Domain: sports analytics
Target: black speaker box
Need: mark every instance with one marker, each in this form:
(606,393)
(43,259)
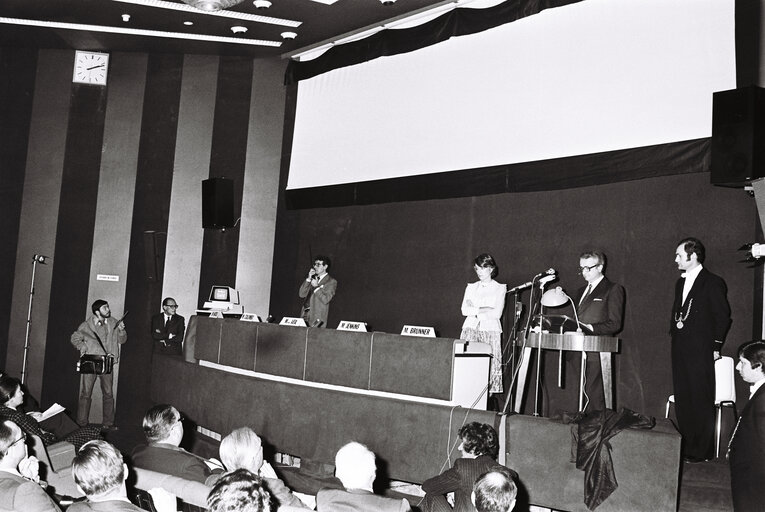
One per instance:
(738,136)
(217,203)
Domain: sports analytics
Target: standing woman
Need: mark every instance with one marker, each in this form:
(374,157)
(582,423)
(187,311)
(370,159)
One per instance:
(482,308)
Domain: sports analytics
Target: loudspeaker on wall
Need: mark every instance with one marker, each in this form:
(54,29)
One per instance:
(738,136)
(217,203)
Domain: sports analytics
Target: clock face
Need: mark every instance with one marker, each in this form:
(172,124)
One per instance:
(90,68)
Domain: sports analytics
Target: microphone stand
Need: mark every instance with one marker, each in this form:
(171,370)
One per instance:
(35,260)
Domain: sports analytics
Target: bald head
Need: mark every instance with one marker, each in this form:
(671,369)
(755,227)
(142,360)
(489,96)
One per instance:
(495,491)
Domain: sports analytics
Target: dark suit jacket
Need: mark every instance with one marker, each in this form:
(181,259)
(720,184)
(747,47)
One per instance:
(171,460)
(104,506)
(317,299)
(709,316)
(356,500)
(160,333)
(460,479)
(21,495)
(603,307)
(747,456)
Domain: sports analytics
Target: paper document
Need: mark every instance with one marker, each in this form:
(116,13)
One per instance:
(52,411)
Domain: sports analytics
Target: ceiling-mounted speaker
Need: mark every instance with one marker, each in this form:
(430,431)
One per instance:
(738,136)
(218,203)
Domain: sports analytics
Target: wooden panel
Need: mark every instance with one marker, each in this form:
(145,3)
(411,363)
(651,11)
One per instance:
(238,344)
(208,335)
(340,358)
(281,350)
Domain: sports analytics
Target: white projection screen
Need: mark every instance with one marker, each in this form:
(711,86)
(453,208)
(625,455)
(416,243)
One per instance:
(594,76)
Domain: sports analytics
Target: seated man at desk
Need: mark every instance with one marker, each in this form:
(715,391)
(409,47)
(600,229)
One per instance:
(600,308)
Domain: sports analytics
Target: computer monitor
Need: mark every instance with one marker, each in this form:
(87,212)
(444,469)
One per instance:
(224,294)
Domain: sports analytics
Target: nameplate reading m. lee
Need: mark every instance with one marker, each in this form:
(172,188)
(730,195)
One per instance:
(295,322)
(345,325)
(416,330)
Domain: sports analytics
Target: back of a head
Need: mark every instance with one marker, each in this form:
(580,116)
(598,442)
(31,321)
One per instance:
(98,468)
(10,433)
(159,421)
(239,491)
(355,466)
(480,439)
(495,491)
(242,449)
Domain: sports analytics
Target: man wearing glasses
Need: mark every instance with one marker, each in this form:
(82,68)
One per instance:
(168,328)
(317,291)
(163,428)
(600,307)
(19,474)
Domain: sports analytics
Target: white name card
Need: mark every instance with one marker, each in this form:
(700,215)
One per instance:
(345,325)
(416,330)
(250,317)
(107,277)
(216,314)
(295,322)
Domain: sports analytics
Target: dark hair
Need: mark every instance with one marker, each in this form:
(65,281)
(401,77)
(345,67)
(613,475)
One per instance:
(495,490)
(239,491)
(754,352)
(8,387)
(485,260)
(7,435)
(323,259)
(594,254)
(691,245)
(97,305)
(479,439)
(164,301)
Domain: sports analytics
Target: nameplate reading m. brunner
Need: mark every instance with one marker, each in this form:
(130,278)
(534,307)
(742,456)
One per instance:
(416,330)
(345,325)
(295,322)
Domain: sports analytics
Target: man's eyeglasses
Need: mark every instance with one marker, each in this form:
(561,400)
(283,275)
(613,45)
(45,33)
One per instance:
(587,269)
(172,306)
(22,438)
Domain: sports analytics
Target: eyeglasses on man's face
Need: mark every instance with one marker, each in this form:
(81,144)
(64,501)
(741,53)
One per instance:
(582,270)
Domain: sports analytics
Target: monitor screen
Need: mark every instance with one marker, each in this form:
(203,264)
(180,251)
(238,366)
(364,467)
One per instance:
(224,294)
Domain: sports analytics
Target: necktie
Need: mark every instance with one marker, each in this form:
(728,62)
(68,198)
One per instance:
(586,293)
(167,320)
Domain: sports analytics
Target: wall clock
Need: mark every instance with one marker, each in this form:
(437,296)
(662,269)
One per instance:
(90,67)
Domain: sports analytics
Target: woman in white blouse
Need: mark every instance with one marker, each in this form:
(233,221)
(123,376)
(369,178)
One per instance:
(482,308)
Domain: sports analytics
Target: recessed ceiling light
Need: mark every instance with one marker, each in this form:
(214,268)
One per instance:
(238,29)
(289,35)
(188,23)
(125,18)
(261,4)
(387,2)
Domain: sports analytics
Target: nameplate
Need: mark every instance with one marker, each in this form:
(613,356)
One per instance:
(216,314)
(250,317)
(416,330)
(345,325)
(295,322)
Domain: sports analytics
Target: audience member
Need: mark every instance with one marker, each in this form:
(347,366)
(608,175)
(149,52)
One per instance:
(163,428)
(100,474)
(12,396)
(495,491)
(479,449)
(19,474)
(168,328)
(243,449)
(355,467)
(100,334)
(239,491)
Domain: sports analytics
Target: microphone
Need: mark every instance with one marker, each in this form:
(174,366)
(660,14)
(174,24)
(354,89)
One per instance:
(550,274)
(547,279)
(39,258)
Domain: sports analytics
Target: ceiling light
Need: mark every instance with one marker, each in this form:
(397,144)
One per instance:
(125,18)
(212,5)
(384,2)
(288,35)
(238,29)
(261,4)
(188,23)
(244,16)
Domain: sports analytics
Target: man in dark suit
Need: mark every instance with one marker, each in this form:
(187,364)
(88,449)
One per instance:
(168,328)
(163,428)
(317,291)
(700,321)
(600,308)
(747,444)
(19,475)
(355,467)
(100,473)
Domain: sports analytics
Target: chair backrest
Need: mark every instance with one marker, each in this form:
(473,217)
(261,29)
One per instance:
(725,384)
(163,500)
(190,492)
(57,456)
